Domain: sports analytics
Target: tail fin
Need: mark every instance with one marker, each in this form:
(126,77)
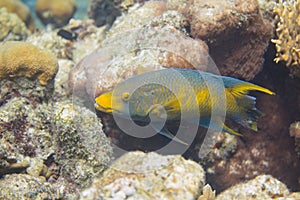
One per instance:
(248,114)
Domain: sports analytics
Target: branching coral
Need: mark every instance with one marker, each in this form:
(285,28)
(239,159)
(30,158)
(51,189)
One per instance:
(288,34)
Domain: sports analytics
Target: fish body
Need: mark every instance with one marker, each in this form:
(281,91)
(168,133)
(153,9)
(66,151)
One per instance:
(191,95)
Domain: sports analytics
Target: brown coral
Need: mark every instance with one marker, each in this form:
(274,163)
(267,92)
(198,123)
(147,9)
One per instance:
(19,59)
(17,7)
(55,12)
(234,30)
(288,34)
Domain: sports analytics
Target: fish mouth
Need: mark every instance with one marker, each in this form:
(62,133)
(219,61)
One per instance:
(103,109)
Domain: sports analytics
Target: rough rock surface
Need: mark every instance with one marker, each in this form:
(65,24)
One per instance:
(262,187)
(12,28)
(104,12)
(60,141)
(148,45)
(234,30)
(23,186)
(137,175)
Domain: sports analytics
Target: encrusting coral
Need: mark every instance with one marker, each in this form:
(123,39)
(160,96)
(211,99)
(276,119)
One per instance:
(55,12)
(288,34)
(21,59)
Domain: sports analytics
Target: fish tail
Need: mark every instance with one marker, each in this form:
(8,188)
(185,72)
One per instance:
(248,113)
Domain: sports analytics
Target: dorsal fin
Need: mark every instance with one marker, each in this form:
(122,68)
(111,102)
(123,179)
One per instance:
(240,88)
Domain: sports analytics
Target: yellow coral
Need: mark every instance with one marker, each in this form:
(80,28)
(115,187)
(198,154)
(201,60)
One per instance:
(288,34)
(19,59)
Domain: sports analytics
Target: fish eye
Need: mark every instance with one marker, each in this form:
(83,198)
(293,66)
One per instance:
(125,96)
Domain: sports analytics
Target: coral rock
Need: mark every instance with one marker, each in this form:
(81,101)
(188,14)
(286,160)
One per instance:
(151,45)
(106,11)
(137,175)
(235,32)
(21,59)
(22,186)
(262,187)
(55,12)
(23,12)
(12,27)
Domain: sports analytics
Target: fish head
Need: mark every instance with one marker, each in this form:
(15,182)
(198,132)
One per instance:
(110,102)
(136,103)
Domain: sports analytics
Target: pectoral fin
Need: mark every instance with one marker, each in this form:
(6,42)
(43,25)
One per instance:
(165,132)
(168,134)
(173,108)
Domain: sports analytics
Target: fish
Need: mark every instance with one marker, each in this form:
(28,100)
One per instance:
(194,96)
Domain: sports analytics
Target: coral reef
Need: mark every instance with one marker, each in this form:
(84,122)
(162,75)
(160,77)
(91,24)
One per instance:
(262,187)
(57,141)
(72,138)
(23,12)
(23,186)
(137,175)
(12,28)
(287,31)
(50,41)
(19,59)
(235,32)
(270,150)
(86,150)
(88,37)
(106,11)
(160,42)
(55,12)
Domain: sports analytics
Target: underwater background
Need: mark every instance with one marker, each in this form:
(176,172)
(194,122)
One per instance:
(63,63)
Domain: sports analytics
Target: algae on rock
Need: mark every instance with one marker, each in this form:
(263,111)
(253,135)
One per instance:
(23,186)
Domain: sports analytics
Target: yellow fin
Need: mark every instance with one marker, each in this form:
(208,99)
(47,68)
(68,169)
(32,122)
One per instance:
(243,89)
(231,131)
